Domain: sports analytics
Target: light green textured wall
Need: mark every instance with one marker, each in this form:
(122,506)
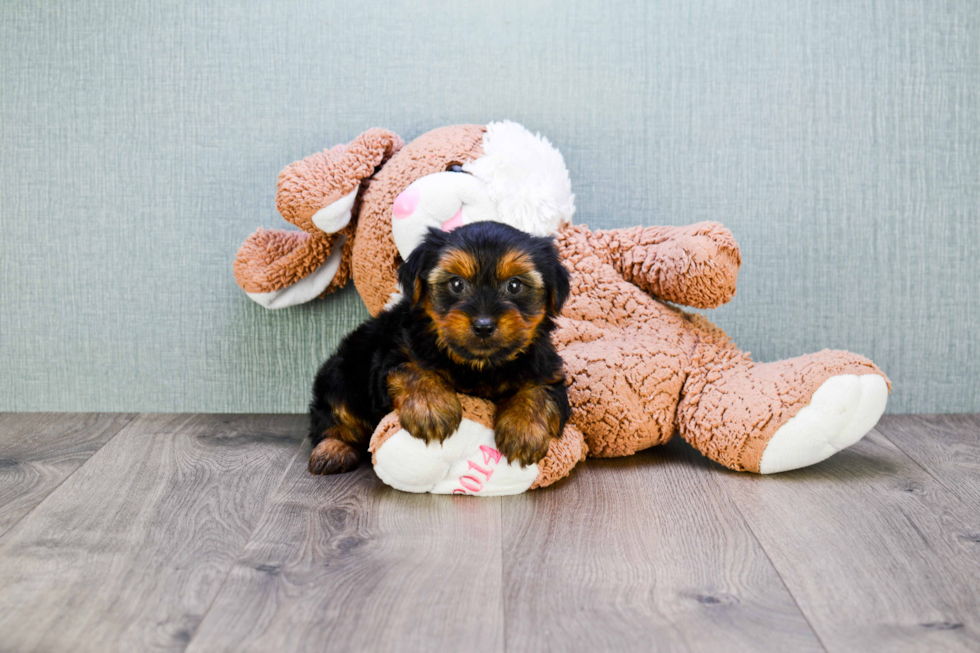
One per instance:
(141,140)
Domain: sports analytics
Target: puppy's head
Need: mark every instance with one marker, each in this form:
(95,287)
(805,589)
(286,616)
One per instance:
(489,289)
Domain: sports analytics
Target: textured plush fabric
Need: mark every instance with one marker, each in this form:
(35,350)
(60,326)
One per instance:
(563,454)
(140,141)
(696,266)
(312,183)
(273,259)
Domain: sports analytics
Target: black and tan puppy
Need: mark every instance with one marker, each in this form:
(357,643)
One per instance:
(476,319)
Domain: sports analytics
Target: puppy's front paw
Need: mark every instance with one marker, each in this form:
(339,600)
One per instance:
(427,406)
(521,440)
(334,456)
(526,425)
(431,417)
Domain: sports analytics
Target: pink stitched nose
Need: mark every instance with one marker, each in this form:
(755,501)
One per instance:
(405,203)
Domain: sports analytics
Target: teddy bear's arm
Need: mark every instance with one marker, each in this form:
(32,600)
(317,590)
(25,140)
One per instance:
(279,268)
(696,265)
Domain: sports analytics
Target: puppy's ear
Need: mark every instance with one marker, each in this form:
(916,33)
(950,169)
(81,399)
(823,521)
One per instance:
(412,274)
(561,289)
(558,278)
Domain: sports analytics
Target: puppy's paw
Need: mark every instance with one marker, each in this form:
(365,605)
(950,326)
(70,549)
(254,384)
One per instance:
(431,416)
(334,456)
(526,425)
(520,440)
(427,406)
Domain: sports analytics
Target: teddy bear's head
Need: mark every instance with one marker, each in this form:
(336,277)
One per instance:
(449,177)
(374,200)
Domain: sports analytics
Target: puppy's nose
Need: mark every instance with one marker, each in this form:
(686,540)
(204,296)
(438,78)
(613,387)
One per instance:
(484,327)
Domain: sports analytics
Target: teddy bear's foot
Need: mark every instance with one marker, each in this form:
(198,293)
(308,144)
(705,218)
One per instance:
(841,411)
(772,417)
(466,463)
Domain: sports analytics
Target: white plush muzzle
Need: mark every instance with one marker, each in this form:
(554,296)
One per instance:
(521,180)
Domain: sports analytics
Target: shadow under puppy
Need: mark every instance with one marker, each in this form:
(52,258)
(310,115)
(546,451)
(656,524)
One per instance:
(475,318)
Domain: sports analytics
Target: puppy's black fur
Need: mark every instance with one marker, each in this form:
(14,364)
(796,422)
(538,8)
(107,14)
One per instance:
(476,317)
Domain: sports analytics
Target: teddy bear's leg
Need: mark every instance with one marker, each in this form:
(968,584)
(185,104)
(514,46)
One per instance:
(624,389)
(468,461)
(780,416)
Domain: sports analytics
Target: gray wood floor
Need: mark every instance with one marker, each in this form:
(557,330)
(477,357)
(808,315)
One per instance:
(205,533)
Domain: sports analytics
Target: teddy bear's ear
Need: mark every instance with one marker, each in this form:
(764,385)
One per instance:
(318,193)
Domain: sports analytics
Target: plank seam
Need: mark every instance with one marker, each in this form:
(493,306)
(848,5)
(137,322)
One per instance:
(503,578)
(772,564)
(965,501)
(265,509)
(119,430)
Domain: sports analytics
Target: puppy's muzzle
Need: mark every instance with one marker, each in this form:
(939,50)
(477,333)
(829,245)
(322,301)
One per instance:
(484,327)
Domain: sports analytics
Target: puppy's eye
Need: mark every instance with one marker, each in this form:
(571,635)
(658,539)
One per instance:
(515,286)
(455,167)
(456,285)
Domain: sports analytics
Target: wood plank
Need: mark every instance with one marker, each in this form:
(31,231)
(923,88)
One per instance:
(38,451)
(946,446)
(641,553)
(345,563)
(129,551)
(878,555)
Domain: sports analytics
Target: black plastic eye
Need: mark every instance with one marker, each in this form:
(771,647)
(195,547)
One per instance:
(455,167)
(456,285)
(515,286)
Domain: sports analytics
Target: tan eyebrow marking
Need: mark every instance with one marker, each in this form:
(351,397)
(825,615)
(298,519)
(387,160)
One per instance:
(516,263)
(457,262)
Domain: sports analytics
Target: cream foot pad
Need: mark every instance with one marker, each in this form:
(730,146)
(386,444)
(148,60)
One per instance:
(842,410)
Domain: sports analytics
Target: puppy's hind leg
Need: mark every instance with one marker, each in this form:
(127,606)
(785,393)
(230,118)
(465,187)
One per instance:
(339,436)
(342,437)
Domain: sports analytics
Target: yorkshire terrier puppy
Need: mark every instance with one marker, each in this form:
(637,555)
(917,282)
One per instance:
(476,318)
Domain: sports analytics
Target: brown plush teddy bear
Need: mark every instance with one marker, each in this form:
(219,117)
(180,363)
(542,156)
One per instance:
(639,369)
